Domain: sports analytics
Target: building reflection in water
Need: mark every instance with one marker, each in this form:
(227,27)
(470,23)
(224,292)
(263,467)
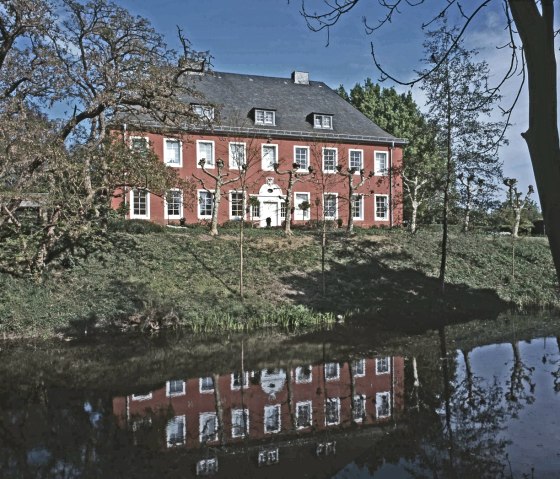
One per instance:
(262,408)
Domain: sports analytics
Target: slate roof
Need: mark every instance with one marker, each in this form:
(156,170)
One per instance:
(235,97)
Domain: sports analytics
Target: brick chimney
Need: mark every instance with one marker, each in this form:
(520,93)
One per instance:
(300,78)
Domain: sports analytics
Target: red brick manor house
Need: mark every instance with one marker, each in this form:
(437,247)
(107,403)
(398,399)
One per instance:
(260,128)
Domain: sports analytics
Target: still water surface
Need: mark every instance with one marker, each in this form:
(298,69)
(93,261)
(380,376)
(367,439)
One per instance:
(467,401)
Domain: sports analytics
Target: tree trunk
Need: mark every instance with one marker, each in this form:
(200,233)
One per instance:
(350,227)
(48,239)
(537,34)
(516,223)
(241,244)
(414,216)
(467,218)
(288,219)
(217,198)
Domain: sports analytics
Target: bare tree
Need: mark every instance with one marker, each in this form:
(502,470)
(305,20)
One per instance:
(220,179)
(349,174)
(517,203)
(472,186)
(294,175)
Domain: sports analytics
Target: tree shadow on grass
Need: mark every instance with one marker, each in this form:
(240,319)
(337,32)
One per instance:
(382,290)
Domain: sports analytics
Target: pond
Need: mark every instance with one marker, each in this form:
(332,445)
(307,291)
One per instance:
(473,400)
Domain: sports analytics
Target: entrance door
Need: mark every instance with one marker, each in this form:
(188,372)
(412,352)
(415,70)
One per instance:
(270,209)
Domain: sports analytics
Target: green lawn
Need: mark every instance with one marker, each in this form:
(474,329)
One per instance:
(187,278)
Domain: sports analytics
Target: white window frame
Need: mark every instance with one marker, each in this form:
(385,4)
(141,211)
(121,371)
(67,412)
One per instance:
(335,206)
(309,404)
(264,122)
(378,399)
(362,363)
(279,412)
(337,401)
(206,391)
(202,418)
(180,421)
(376,216)
(245,414)
(300,215)
(334,378)
(320,123)
(253,216)
(170,393)
(362,399)
(308,154)
(245,381)
(166,214)
(361,197)
(232,161)
(230,197)
(207,467)
(209,163)
(325,148)
(377,170)
(204,112)
(141,397)
(386,359)
(165,158)
(299,380)
(138,137)
(140,217)
(356,150)
(199,216)
(264,167)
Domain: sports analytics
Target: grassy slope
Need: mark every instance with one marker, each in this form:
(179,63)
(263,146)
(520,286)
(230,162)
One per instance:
(194,277)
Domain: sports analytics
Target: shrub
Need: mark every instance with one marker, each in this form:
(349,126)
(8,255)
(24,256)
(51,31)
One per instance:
(135,226)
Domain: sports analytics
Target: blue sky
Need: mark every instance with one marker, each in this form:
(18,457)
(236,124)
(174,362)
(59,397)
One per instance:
(271,38)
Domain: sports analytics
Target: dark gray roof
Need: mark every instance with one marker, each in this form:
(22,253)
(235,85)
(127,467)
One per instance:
(235,97)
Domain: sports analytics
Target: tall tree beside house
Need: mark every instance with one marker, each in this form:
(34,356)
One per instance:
(531,50)
(399,115)
(100,61)
(459,104)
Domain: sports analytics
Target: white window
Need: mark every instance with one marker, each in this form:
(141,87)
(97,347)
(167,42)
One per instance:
(175,387)
(173,204)
(381,207)
(236,205)
(330,206)
(206,385)
(141,397)
(139,204)
(239,380)
(207,467)
(332,371)
(176,431)
(205,204)
(304,413)
(282,209)
(359,408)
(383,365)
(272,418)
(268,456)
(172,152)
(301,199)
(239,422)
(255,207)
(139,143)
(207,427)
(323,121)
(381,164)
(237,155)
(265,117)
(303,374)
(269,156)
(204,111)
(356,160)
(383,404)
(358,207)
(329,159)
(205,151)
(359,368)
(301,157)
(332,411)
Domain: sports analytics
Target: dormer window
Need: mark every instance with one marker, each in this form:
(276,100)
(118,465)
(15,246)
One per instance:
(265,117)
(322,121)
(204,112)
